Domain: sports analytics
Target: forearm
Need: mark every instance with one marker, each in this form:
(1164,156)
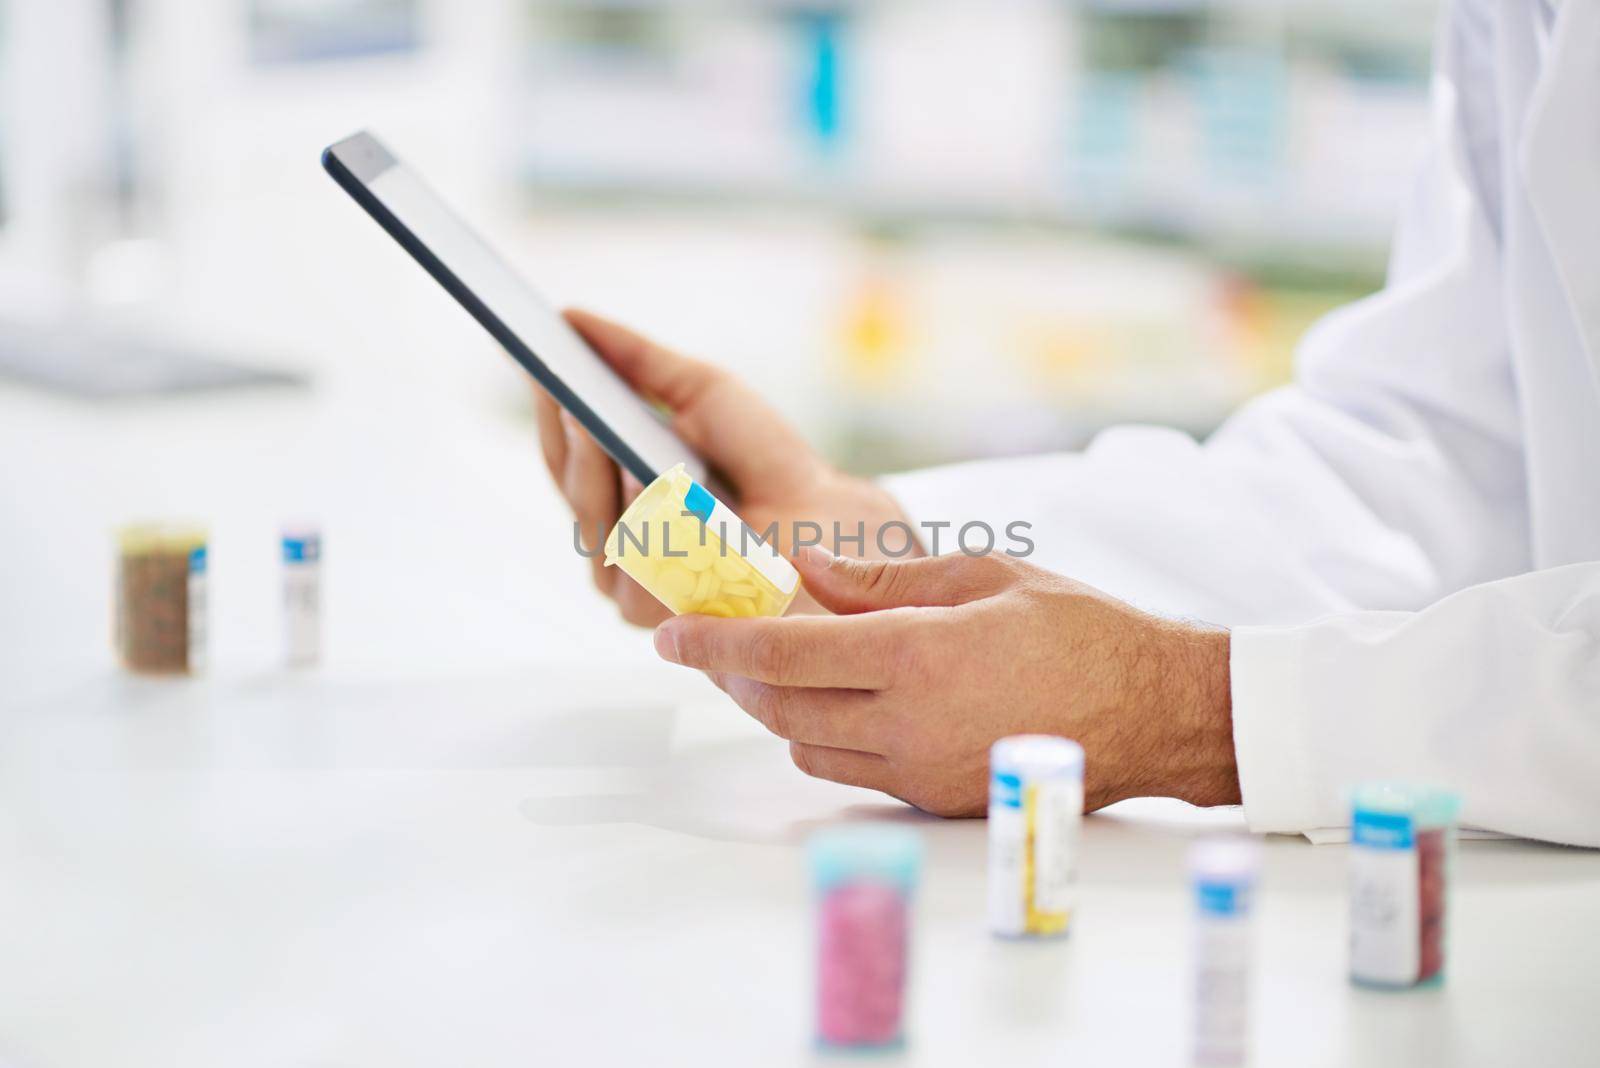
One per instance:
(1199,765)
(1165,727)
(1176,719)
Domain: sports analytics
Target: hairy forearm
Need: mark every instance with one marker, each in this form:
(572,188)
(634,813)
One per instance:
(1197,763)
(1165,727)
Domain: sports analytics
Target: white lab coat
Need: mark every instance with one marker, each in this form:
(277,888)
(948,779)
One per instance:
(1406,540)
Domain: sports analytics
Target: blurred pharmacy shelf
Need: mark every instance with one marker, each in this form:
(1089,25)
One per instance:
(893,349)
(1293,123)
(1000,231)
(927,229)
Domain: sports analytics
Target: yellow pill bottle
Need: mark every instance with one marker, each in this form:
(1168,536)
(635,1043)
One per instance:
(695,556)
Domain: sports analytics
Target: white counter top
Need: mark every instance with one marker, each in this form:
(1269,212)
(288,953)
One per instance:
(494,830)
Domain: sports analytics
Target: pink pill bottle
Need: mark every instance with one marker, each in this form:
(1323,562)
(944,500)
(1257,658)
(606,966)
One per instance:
(864,877)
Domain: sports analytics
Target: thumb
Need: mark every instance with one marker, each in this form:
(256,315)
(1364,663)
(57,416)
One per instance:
(847,586)
(715,414)
(652,370)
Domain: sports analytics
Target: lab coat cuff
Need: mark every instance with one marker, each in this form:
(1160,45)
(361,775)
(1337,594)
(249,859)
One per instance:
(939,500)
(1271,738)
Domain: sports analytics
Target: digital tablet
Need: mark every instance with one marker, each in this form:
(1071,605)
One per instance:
(529,328)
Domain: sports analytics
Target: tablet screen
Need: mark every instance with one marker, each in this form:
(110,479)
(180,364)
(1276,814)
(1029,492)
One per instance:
(519,318)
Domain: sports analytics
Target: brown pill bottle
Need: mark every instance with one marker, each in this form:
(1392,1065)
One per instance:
(160,615)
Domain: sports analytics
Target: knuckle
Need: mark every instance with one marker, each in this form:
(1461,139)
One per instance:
(763,702)
(705,373)
(880,578)
(779,710)
(897,729)
(802,758)
(769,654)
(991,567)
(975,577)
(907,655)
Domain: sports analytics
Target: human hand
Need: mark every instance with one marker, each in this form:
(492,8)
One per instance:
(929,661)
(772,474)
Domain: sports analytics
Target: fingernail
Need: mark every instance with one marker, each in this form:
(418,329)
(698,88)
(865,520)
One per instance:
(569,423)
(667,642)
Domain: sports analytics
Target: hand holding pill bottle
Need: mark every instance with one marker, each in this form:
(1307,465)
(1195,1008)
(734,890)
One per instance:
(695,555)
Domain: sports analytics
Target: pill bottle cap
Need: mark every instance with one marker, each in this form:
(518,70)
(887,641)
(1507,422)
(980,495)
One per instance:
(301,542)
(672,484)
(138,539)
(1036,756)
(1223,870)
(1427,806)
(878,851)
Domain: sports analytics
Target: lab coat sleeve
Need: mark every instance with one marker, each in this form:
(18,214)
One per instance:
(1387,476)
(1359,529)
(1494,691)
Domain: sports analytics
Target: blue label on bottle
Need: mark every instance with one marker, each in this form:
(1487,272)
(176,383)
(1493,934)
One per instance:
(197,560)
(1222,899)
(298,550)
(1381,830)
(1005,789)
(699,501)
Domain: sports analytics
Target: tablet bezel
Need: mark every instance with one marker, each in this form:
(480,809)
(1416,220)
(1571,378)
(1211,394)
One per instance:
(361,159)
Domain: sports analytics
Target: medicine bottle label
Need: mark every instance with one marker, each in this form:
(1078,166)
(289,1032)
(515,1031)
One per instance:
(1033,850)
(1054,810)
(195,609)
(1385,937)
(1222,990)
(302,611)
(1007,843)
